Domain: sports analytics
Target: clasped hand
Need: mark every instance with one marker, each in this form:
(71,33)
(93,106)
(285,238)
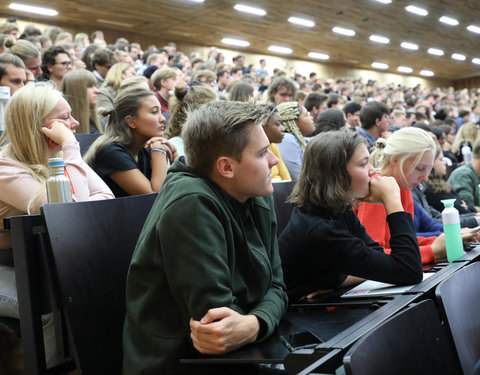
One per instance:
(222,330)
(165,144)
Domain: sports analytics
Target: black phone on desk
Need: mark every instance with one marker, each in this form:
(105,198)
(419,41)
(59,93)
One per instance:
(300,340)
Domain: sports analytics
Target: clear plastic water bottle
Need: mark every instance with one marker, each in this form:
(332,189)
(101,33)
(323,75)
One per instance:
(59,189)
(452,230)
(4,98)
(467,154)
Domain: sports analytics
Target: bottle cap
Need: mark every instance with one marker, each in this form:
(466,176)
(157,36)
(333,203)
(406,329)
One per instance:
(56,162)
(448,202)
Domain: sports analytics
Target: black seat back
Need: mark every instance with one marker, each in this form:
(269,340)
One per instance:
(283,210)
(86,141)
(411,342)
(459,299)
(92,244)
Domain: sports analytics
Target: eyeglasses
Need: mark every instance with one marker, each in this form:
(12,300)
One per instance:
(65,63)
(209,81)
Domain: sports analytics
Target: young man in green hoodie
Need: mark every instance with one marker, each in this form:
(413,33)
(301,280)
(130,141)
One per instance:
(206,275)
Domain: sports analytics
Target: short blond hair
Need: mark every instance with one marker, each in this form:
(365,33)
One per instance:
(161,74)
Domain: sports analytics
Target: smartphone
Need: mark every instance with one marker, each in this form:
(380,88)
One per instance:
(473,230)
(300,340)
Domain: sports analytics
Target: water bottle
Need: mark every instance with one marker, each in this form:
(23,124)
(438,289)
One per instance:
(451,228)
(467,154)
(4,98)
(59,189)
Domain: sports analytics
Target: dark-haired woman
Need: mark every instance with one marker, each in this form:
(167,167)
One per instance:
(185,99)
(325,246)
(132,156)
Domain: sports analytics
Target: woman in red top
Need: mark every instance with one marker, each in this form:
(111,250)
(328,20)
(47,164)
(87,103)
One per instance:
(408,156)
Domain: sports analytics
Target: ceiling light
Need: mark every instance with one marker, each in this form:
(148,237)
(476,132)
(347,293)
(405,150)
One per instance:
(197,1)
(426,73)
(408,45)
(379,39)
(301,21)
(384,1)
(250,10)
(235,42)
(416,10)
(279,49)
(458,56)
(448,20)
(343,31)
(405,69)
(435,51)
(318,55)
(476,60)
(33,9)
(379,65)
(474,29)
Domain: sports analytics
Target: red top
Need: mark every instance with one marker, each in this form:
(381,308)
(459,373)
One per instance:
(162,100)
(374,219)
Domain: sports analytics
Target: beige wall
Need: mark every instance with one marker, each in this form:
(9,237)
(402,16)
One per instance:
(325,70)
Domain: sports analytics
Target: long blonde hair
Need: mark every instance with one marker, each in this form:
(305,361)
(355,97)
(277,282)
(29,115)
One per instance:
(74,86)
(468,132)
(114,78)
(24,117)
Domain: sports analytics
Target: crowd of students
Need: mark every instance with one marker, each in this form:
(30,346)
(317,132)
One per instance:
(208,273)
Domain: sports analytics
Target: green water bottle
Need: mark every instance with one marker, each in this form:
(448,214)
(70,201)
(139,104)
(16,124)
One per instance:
(451,228)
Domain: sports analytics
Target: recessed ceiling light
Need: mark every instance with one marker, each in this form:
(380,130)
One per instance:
(318,55)
(197,1)
(458,56)
(279,49)
(384,1)
(476,60)
(301,21)
(426,73)
(379,39)
(405,69)
(416,10)
(408,45)
(379,65)
(343,31)
(474,29)
(435,51)
(235,42)
(33,9)
(250,10)
(448,20)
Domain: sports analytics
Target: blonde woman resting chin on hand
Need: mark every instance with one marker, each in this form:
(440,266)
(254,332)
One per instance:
(38,124)
(324,245)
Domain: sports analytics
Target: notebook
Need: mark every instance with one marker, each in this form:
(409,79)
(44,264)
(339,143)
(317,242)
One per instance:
(371,288)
